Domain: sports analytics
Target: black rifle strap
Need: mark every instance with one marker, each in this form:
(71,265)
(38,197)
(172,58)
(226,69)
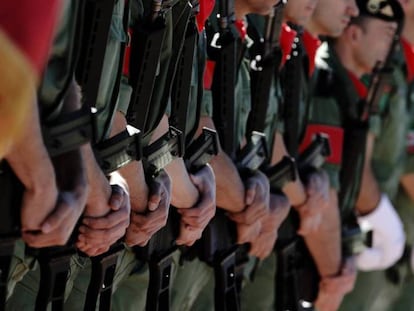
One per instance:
(292,86)
(266,62)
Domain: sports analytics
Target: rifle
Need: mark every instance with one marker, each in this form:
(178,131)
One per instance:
(217,246)
(281,173)
(314,155)
(292,76)
(158,252)
(161,246)
(111,154)
(356,130)
(146,44)
(297,274)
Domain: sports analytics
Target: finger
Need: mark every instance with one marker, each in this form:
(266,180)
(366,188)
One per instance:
(197,180)
(97,236)
(57,217)
(155,197)
(200,222)
(148,222)
(108,221)
(250,193)
(249,216)
(148,229)
(140,239)
(43,240)
(117,199)
(247,233)
(188,236)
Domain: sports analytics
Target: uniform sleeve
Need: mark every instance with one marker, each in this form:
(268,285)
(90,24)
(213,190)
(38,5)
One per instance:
(325,119)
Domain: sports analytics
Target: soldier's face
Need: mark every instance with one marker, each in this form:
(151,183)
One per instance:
(369,48)
(300,11)
(332,16)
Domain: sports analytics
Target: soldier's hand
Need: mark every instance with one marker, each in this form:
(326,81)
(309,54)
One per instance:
(264,244)
(38,202)
(58,226)
(97,234)
(248,233)
(256,200)
(195,219)
(333,289)
(144,225)
(317,191)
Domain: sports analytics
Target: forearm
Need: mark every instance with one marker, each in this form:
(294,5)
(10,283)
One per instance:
(133,173)
(324,244)
(100,190)
(369,194)
(229,186)
(295,191)
(69,167)
(28,156)
(183,194)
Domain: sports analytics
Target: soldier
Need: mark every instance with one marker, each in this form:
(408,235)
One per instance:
(337,69)
(388,166)
(110,198)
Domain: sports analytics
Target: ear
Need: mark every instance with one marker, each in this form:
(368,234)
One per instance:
(354,34)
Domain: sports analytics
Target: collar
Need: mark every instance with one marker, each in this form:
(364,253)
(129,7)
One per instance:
(408,50)
(311,45)
(287,36)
